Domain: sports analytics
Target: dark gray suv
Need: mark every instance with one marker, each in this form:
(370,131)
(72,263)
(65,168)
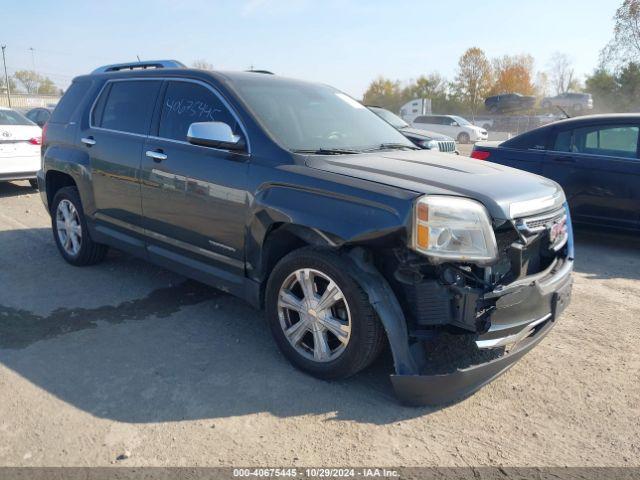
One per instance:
(298,199)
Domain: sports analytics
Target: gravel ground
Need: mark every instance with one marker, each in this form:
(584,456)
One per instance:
(127,357)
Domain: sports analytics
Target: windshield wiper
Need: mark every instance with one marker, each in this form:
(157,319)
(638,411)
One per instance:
(392,146)
(328,151)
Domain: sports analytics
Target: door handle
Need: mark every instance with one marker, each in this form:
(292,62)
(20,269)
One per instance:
(564,159)
(157,156)
(88,141)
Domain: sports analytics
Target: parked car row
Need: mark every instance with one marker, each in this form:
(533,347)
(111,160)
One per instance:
(302,201)
(512,102)
(422,138)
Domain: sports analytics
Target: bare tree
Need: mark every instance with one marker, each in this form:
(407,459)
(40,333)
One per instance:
(29,79)
(561,73)
(202,65)
(625,44)
(474,79)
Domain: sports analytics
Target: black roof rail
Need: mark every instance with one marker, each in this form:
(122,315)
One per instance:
(266,72)
(117,67)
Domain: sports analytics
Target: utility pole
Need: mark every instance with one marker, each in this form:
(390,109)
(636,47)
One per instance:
(6,77)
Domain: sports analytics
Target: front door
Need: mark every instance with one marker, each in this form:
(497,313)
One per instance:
(194,198)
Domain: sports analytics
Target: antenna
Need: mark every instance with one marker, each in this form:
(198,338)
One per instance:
(138,57)
(562,110)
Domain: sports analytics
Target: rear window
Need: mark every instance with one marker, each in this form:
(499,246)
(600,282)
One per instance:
(126,106)
(534,140)
(70,101)
(11,117)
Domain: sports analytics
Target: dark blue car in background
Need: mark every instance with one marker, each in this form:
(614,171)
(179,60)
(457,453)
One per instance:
(595,158)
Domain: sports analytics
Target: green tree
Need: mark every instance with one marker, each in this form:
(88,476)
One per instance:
(602,85)
(474,79)
(385,93)
(615,92)
(47,87)
(628,80)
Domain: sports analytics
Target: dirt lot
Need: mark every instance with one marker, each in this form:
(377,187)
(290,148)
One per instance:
(125,356)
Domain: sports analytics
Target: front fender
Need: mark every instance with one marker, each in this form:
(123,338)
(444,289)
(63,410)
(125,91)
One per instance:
(334,219)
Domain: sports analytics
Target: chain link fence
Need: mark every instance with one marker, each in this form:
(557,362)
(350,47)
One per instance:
(27,101)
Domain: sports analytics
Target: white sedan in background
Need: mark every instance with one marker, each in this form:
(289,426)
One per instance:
(451,125)
(20,141)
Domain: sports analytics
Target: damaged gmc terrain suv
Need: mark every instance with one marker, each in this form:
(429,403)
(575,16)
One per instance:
(298,199)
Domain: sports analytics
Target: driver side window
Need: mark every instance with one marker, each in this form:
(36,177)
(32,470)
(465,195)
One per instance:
(185,103)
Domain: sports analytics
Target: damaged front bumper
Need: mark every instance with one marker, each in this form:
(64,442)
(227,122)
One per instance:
(549,294)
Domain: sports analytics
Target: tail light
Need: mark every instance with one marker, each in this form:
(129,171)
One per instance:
(35,141)
(480,154)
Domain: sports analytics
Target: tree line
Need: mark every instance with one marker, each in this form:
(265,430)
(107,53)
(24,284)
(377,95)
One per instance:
(614,84)
(29,81)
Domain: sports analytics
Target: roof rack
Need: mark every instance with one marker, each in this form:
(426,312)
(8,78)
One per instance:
(116,67)
(266,72)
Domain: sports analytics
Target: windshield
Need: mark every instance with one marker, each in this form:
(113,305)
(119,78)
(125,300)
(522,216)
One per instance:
(390,117)
(11,117)
(311,117)
(461,121)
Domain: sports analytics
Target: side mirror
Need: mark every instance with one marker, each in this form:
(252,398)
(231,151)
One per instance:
(455,124)
(216,135)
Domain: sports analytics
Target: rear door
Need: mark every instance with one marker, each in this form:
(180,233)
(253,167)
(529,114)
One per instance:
(599,169)
(194,197)
(114,138)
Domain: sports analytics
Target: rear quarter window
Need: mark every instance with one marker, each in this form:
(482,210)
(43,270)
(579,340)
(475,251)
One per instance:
(534,140)
(74,95)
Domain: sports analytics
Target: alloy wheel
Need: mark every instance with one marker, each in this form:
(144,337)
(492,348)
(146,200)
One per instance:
(314,315)
(69,227)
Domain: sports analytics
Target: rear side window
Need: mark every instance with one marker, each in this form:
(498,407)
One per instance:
(563,141)
(186,103)
(126,106)
(70,101)
(534,140)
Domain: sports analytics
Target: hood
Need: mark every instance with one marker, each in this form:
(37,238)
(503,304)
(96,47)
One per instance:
(424,134)
(502,190)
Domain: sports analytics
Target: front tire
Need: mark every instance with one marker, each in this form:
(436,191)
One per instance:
(464,138)
(34,183)
(70,230)
(320,317)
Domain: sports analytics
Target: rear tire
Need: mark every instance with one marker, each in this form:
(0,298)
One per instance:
(34,183)
(362,333)
(464,138)
(70,230)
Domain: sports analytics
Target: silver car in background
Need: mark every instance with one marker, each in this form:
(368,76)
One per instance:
(571,101)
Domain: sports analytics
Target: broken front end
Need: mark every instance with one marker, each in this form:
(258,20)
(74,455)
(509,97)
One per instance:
(467,322)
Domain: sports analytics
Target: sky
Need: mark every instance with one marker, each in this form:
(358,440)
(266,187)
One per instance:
(343,43)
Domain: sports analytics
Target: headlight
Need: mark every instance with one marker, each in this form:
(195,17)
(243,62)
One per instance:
(431,144)
(453,228)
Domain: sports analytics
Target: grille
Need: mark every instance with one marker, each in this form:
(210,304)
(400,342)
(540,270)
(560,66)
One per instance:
(540,222)
(446,146)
